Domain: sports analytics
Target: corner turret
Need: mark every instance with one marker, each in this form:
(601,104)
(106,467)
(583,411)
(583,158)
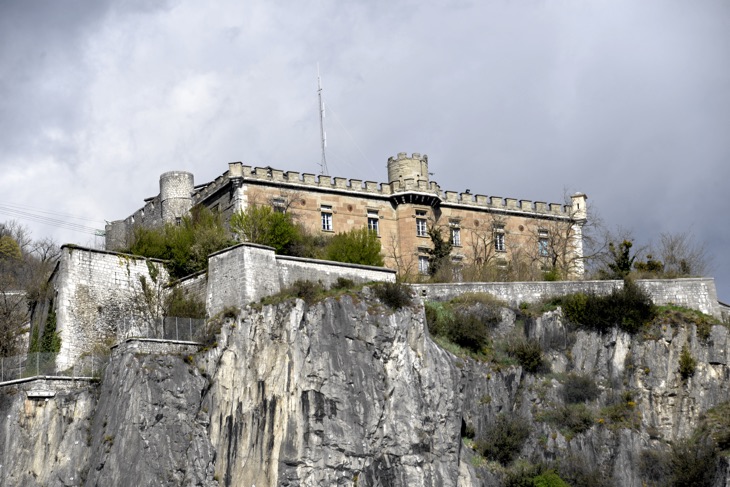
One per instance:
(580,207)
(176,192)
(403,167)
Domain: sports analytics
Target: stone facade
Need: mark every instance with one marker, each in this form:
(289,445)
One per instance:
(484,229)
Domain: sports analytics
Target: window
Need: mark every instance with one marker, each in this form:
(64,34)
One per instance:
(423,264)
(178,221)
(543,244)
(499,238)
(455,234)
(326,218)
(373,220)
(421,229)
(279,204)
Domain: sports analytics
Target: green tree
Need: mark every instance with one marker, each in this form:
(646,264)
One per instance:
(9,248)
(262,225)
(620,262)
(360,246)
(186,246)
(440,252)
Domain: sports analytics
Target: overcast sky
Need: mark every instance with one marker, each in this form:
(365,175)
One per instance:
(625,100)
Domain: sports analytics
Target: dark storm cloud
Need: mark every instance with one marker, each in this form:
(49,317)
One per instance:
(628,101)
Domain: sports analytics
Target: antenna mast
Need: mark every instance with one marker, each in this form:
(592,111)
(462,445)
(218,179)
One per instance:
(323,135)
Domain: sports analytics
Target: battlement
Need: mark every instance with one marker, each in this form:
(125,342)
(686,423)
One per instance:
(408,182)
(268,175)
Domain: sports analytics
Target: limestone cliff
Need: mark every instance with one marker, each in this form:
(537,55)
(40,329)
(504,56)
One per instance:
(349,392)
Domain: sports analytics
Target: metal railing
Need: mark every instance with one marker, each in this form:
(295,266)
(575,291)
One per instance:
(168,328)
(44,364)
(92,365)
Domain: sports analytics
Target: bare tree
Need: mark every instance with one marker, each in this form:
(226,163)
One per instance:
(682,256)
(404,267)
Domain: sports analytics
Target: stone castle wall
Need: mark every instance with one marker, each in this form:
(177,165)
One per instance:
(99,298)
(97,295)
(246,273)
(693,293)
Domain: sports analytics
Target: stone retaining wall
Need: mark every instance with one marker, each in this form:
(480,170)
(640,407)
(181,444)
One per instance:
(694,293)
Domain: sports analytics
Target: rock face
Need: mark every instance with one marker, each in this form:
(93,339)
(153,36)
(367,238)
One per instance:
(348,392)
(365,399)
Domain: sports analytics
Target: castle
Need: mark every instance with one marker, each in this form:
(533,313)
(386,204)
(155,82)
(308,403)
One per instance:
(485,231)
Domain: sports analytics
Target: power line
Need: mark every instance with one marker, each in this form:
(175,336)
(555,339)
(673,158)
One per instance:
(48,218)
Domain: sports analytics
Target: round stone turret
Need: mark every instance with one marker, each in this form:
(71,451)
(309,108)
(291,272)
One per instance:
(176,195)
(403,167)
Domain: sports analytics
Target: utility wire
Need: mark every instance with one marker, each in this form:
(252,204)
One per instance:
(36,215)
(365,158)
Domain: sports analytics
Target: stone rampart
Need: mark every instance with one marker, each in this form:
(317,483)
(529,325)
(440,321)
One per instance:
(693,293)
(246,273)
(96,291)
(194,286)
(292,269)
(239,275)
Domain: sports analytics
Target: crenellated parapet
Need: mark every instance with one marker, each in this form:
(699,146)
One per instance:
(415,165)
(408,183)
(511,205)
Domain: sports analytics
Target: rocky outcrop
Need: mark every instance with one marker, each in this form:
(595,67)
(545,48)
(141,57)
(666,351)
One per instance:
(337,393)
(348,392)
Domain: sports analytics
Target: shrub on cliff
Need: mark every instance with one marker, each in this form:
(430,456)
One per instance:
(466,320)
(629,308)
(527,475)
(689,461)
(503,439)
(579,388)
(528,353)
(395,295)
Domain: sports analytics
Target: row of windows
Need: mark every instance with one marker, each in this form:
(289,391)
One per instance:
(326,214)
(422,231)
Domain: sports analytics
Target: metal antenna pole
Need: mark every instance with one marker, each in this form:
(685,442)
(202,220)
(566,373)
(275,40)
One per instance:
(323,136)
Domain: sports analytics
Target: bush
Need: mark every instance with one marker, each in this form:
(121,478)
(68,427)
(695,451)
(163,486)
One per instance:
(465,321)
(687,364)
(575,418)
(622,412)
(579,388)
(577,472)
(343,283)
(549,479)
(528,353)
(360,246)
(629,308)
(503,439)
(395,295)
(308,291)
(265,226)
(690,462)
(716,422)
(185,247)
(179,304)
(468,330)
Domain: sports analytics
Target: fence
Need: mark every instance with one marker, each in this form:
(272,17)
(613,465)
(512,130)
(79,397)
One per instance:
(168,328)
(44,364)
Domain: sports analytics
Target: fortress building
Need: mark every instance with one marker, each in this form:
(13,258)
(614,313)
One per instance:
(487,232)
